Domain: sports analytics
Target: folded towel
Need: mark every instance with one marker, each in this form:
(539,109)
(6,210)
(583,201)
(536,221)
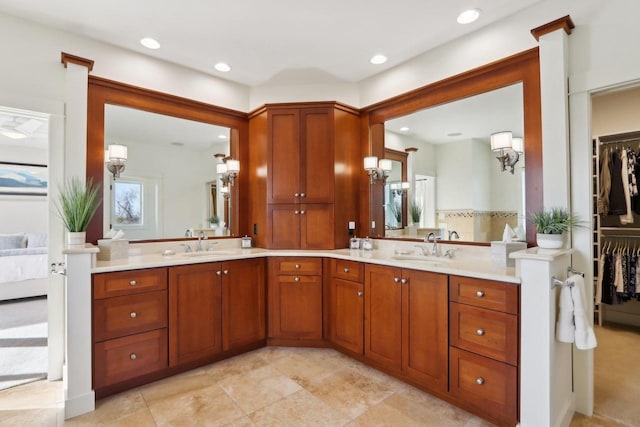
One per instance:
(565,328)
(585,338)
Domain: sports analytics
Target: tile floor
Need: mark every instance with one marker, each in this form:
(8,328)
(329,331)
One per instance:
(277,386)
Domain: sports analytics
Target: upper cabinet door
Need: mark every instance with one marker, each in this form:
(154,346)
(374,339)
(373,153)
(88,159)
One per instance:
(317,156)
(284,156)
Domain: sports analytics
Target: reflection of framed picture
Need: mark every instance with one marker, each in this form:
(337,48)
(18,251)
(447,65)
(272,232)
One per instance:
(23,179)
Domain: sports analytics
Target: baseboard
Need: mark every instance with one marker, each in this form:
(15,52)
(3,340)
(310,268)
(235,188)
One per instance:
(565,415)
(79,405)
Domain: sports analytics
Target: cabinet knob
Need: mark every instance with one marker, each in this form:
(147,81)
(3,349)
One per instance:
(225,272)
(133,356)
(360,293)
(404,281)
(296,279)
(133,314)
(396,280)
(132,282)
(302,212)
(480,294)
(219,273)
(480,332)
(303,195)
(296,212)
(298,266)
(346,270)
(296,195)
(479,380)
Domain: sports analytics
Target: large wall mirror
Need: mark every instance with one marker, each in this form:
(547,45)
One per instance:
(169,188)
(454,178)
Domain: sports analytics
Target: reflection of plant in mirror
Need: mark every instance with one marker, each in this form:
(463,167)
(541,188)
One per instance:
(396,211)
(214,219)
(416,212)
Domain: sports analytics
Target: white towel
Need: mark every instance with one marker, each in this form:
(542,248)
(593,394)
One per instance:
(565,327)
(585,337)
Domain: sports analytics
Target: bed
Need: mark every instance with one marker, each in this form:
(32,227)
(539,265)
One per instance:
(23,265)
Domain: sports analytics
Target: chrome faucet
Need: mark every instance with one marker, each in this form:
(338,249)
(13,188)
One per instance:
(187,248)
(188,233)
(431,237)
(201,236)
(454,233)
(423,250)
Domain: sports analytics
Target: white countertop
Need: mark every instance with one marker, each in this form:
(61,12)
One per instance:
(470,261)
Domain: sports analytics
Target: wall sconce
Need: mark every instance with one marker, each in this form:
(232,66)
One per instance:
(115,157)
(398,188)
(377,170)
(228,171)
(509,148)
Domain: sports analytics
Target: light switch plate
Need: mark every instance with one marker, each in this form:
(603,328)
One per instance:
(352,225)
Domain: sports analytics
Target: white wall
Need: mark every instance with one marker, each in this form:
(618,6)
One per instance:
(23,213)
(479,176)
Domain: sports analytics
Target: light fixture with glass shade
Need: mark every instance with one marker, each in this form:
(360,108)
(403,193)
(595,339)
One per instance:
(377,170)
(115,156)
(227,170)
(503,142)
(398,188)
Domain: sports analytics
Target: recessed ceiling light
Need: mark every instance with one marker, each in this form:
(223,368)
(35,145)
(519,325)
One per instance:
(177,143)
(468,16)
(150,43)
(221,66)
(222,136)
(378,59)
(404,128)
(452,134)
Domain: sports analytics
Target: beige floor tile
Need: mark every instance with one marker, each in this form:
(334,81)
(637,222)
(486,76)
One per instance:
(298,409)
(28,417)
(208,406)
(580,420)
(235,366)
(302,370)
(258,388)
(186,382)
(35,395)
(111,410)
(241,422)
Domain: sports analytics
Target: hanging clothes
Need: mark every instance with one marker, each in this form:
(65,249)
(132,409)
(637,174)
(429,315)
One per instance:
(627,217)
(617,200)
(605,182)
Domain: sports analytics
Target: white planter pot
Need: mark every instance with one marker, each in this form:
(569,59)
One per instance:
(550,241)
(76,238)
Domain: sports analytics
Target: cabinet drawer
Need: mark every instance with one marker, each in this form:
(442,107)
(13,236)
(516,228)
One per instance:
(131,314)
(486,332)
(129,282)
(129,357)
(489,386)
(484,293)
(297,265)
(348,270)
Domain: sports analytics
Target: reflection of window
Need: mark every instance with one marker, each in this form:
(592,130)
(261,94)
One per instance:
(127,203)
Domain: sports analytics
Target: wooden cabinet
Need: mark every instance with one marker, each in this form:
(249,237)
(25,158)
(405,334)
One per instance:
(129,325)
(484,352)
(303,167)
(215,307)
(295,298)
(406,322)
(346,311)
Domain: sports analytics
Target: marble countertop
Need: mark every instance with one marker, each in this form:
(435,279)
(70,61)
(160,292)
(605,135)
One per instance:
(470,261)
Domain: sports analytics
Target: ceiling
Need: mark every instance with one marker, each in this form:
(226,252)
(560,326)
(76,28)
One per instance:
(295,41)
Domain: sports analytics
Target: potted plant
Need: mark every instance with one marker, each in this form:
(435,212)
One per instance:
(552,225)
(214,221)
(76,205)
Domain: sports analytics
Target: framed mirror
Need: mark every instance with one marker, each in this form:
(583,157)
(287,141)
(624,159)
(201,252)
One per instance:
(170,165)
(521,73)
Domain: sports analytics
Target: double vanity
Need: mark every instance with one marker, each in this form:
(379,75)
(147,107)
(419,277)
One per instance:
(449,326)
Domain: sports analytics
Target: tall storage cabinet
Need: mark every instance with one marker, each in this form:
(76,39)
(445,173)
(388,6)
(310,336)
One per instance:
(303,165)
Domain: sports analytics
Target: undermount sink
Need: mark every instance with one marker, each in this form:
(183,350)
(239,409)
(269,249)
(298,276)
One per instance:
(425,259)
(208,253)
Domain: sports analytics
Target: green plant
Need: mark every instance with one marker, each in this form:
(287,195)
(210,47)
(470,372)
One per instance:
(396,212)
(77,203)
(416,212)
(214,219)
(553,221)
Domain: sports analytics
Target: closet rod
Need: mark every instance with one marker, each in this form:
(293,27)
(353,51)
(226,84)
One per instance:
(620,141)
(621,137)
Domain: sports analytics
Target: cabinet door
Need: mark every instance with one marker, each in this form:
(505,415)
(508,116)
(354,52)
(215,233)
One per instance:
(424,327)
(316,226)
(317,156)
(383,315)
(243,302)
(347,314)
(195,319)
(284,156)
(295,307)
(283,223)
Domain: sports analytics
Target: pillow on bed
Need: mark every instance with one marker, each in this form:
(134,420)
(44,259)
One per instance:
(36,240)
(13,241)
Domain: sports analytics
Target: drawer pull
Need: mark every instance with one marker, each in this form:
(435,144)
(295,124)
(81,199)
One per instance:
(133,356)
(360,293)
(133,315)
(302,212)
(298,266)
(225,272)
(296,195)
(404,281)
(396,280)
(132,282)
(296,212)
(219,273)
(479,380)
(296,279)
(480,332)
(303,195)
(480,294)
(346,270)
